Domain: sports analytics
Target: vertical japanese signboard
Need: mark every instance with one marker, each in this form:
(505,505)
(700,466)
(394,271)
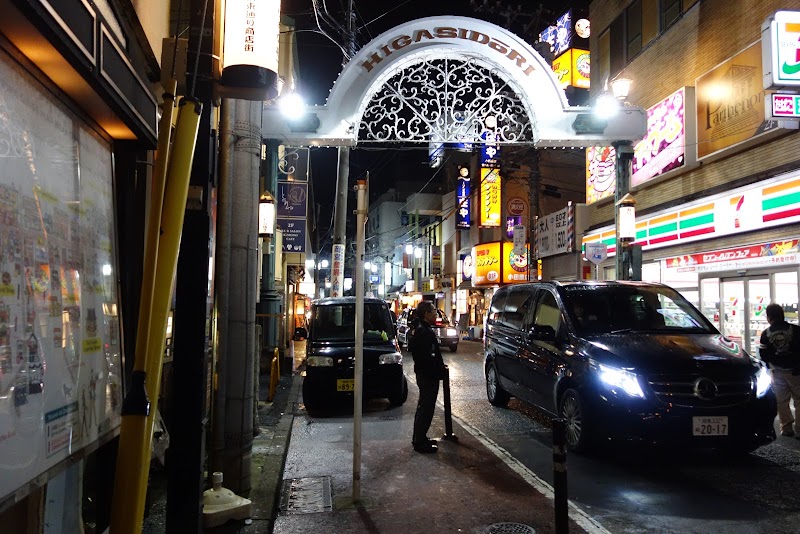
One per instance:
(292,211)
(463,218)
(490,198)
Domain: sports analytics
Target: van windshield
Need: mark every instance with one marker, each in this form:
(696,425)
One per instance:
(336,322)
(618,309)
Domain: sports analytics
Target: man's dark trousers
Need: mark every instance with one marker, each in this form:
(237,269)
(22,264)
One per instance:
(428,392)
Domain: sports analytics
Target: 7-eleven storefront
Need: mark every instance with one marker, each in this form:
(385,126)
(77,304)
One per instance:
(730,254)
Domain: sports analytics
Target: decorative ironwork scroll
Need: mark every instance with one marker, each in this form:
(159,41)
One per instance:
(450,99)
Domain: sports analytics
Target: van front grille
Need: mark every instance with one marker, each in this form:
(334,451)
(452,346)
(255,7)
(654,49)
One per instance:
(700,391)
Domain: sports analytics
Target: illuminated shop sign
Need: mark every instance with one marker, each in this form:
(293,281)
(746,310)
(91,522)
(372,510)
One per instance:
(490,198)
(786,106)
(770,203)
(515,266)
(664,147)
(600,172)
(730,103)
(555,233)
(490,151)
(463,219)
(781,41)
(560,35)
(764,255)
(486,260)
(572,68)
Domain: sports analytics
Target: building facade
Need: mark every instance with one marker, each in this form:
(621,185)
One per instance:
(716,180)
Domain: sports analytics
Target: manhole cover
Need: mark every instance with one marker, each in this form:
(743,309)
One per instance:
(306,495)
(509,528)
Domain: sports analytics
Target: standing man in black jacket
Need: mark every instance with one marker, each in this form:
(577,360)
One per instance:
(429,368)
(780,348)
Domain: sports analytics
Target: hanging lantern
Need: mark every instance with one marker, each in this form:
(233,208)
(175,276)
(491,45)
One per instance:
(250,49)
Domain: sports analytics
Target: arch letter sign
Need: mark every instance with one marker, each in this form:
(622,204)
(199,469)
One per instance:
(478,45)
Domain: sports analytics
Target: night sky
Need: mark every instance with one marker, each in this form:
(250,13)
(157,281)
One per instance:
(320,62)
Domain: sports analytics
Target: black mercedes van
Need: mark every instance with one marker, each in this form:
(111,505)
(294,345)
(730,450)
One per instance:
(330,353)
(625,360)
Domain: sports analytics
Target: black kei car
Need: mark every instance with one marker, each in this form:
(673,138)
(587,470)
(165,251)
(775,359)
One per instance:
(330,353)
(445,332)
(626,360)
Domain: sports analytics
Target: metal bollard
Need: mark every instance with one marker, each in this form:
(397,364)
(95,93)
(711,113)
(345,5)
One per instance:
(560,475)
(448,417)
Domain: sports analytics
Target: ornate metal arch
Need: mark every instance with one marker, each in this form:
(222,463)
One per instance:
(446,99)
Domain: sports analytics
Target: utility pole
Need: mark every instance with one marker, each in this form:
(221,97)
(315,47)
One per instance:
(342,177)
(533,213)
(361,218)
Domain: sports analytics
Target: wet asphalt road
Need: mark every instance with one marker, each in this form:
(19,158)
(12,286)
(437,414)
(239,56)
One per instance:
(636,489)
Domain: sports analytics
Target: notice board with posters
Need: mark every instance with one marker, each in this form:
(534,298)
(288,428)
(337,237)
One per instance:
(60,372)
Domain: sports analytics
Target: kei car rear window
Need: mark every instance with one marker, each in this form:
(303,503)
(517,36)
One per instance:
(337,322)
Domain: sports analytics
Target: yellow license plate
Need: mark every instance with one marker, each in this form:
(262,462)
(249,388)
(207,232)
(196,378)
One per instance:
(345,384)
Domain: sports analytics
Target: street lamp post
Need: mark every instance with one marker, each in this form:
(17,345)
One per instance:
(623,206)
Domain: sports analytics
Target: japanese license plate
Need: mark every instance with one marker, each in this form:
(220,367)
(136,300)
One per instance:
(710,426)
(345,384)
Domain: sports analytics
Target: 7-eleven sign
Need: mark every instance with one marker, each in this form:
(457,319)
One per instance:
(781,40)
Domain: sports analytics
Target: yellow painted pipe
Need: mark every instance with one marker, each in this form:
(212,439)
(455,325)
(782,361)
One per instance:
(133,460)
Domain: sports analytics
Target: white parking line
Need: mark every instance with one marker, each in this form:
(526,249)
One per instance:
(581,518)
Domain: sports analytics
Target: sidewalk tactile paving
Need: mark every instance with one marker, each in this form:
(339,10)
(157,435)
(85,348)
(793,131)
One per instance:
(306,495)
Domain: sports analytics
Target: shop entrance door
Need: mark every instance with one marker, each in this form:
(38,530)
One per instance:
(737,305)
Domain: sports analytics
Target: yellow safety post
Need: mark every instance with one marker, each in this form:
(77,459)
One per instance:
(133,459)
(274,374)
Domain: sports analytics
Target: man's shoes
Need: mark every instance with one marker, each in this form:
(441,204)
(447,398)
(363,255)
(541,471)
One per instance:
(425,448)
(787,433)
(433,442)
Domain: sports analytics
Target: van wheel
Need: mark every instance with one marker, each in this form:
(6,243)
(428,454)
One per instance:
(454,348)
(496,394)
(572,409)
(400,398)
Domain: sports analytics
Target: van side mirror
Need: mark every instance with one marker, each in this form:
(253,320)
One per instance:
(542,333)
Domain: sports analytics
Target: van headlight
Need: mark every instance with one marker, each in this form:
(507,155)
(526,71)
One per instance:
(619,378)
(319,361)
(452,332)
(763,381)
(390,357)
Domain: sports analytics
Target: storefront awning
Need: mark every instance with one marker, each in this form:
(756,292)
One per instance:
(466,284)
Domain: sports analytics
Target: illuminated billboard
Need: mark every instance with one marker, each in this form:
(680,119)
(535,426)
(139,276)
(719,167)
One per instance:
(515,266)
(600,172)
(664,146)
(486,259)
(572,68)
(463,193)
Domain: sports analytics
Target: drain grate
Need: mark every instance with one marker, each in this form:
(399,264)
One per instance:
(509,528)
(306,495)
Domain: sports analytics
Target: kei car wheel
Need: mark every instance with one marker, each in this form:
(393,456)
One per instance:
(398,399)
(454,348)
(496,394)
(571,408)
(311,400)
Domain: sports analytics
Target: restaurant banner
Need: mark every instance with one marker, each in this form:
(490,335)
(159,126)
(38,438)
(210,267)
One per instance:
(292,199)
(572,68)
